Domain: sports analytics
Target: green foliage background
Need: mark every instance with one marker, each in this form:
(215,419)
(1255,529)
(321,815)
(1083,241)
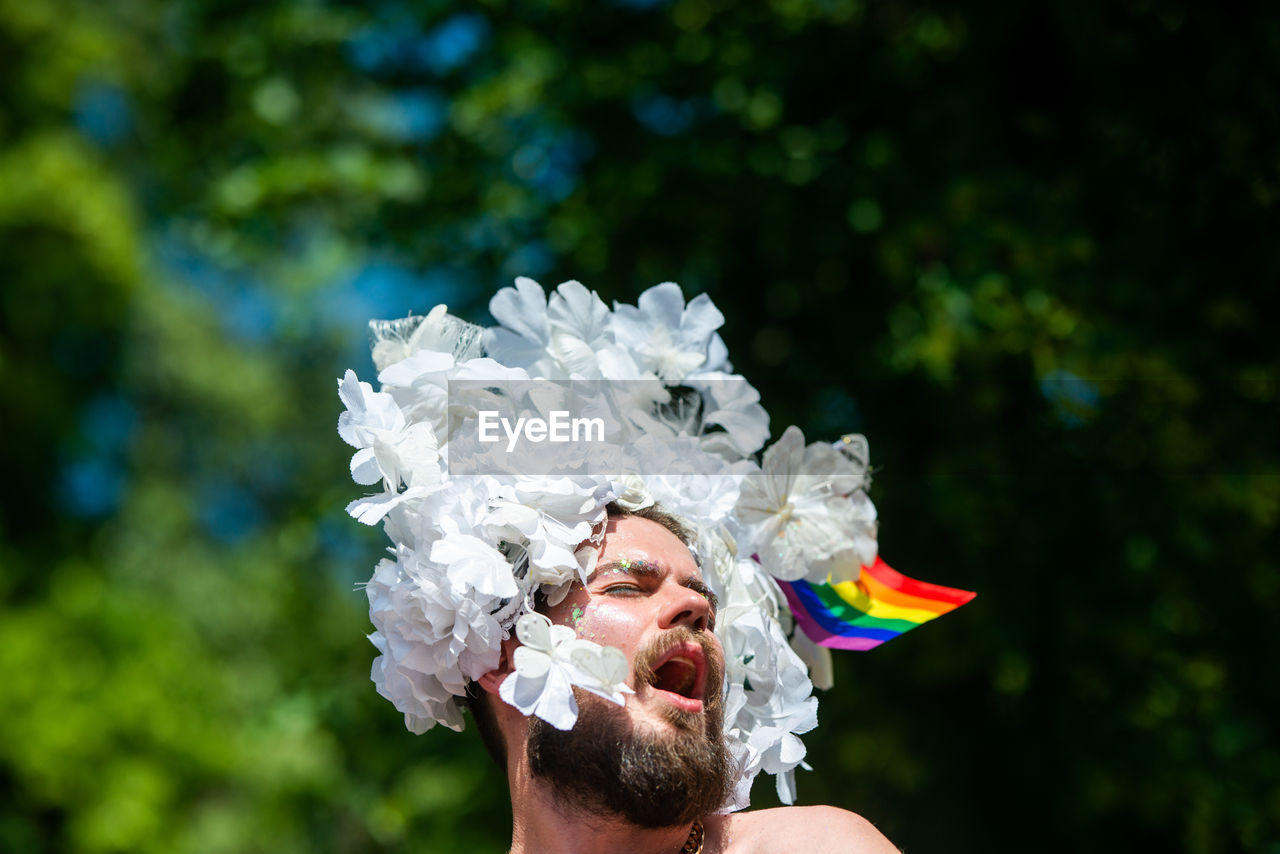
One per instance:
(1028,249)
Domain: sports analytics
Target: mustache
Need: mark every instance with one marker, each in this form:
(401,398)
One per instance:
(654,650)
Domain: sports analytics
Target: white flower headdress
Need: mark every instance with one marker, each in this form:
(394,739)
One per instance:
(471,551)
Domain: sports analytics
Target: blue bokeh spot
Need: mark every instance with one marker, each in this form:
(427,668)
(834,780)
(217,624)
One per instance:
(109,422)
(91,488)
(664,115)
(1074,399)
(229,513)
(453,42)
(102,113)
(397,43)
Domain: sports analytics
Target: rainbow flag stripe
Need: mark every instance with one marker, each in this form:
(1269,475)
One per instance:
(882,604)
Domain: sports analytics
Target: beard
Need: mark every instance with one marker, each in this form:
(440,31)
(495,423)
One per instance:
(650,778)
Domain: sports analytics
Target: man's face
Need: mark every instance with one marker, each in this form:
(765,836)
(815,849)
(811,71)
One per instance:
(661,760)
(647,598)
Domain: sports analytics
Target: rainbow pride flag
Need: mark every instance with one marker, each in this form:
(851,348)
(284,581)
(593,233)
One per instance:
(882,604)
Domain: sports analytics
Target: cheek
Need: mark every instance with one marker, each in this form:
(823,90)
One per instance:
(605,622)
(570,611)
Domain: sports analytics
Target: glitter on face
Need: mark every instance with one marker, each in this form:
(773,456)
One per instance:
(624,567)
(621,567)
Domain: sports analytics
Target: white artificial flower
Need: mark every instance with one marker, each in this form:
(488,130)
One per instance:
(522,310)
(635,402)
(369,417)
(732,404)
(371,509)
(569,498)
(553,518)
(743,756)
(687,480)
(636,495)
(456,637)
(669,338)
(402,343)
(560,337)
(391,450)
(602,670)
(420,386)
(550,543)
(521,340)
(720,556)
(472,563)
(817,660)
(617,362)
(795,511)
(439,332)
(717,356)
(409,456)
(779,704)
(541,682)
(415,525)
(432,642)
(550,661)
(366,410)
(578,329)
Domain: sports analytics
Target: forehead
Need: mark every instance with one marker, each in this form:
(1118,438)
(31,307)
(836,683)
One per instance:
(636,538)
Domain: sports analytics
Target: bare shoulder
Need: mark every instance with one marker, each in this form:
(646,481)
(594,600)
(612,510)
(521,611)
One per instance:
(813,830)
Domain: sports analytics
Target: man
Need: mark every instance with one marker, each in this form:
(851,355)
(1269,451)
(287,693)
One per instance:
(651,776)
(536,582)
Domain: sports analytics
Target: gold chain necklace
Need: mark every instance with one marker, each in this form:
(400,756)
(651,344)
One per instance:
(693,845)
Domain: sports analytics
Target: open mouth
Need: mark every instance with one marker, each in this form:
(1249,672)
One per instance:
(680,675)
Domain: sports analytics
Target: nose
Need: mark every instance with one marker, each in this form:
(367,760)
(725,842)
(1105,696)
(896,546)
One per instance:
(685,607)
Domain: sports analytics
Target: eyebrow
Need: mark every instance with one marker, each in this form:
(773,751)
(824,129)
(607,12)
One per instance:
(641,567)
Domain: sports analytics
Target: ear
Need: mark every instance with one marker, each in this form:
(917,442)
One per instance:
(492,680)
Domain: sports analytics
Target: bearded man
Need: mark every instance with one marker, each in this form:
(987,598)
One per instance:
(536,581)
(654,775)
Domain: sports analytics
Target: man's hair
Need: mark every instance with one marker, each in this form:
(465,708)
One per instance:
(654,513)
(477,699)
(478,702)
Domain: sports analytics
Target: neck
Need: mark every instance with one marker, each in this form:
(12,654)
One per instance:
(541,822)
